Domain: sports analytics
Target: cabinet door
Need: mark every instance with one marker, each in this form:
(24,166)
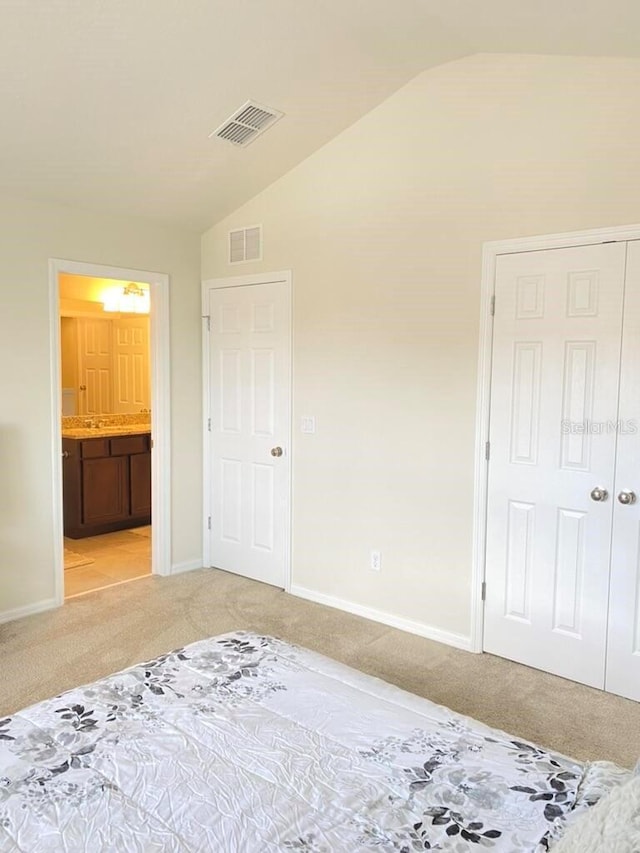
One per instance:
(71,486)
(105,489)
(140,484)
(623,646)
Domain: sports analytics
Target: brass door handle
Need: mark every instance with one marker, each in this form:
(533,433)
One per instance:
(276,451)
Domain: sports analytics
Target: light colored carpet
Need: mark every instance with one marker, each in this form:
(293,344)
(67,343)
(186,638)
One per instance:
(73,560)
(105,631)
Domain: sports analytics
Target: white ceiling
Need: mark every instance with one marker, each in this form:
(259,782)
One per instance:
(108,104)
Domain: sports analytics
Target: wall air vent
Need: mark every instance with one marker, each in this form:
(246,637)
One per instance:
(247,123)
(245,244)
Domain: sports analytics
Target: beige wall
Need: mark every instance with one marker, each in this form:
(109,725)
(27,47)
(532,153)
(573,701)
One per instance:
(85,287)
(31,234)
(383,229)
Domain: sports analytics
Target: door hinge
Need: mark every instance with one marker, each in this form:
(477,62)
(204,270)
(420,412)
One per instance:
(493,305)
(484,590)
(209,523)
(487,450)
(150,444)
(208,319)
(209,424)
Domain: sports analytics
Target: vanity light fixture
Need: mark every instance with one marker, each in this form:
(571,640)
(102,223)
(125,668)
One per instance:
(131,299)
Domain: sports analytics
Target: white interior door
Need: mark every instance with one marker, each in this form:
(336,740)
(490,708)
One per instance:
(623,647)
(131,391)
(250,378)
(94,366)
(554,395)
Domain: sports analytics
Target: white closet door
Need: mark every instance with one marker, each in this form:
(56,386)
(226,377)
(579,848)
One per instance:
(250,375)
(623,649)
(556,357)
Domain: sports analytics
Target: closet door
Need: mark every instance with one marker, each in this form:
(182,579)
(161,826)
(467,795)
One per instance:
(623,647)
(554,389)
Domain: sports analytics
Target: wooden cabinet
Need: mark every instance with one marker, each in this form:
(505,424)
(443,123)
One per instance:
(106,484)
(104,490)
(140,479)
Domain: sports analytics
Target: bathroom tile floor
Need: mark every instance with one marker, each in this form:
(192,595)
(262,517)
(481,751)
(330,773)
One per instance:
(117,557)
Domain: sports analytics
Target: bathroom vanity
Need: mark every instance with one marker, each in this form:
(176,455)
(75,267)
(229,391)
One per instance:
(106,480)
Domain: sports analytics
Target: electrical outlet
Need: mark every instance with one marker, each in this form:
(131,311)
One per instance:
(376,561)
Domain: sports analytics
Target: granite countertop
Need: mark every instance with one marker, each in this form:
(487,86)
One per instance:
(105,431)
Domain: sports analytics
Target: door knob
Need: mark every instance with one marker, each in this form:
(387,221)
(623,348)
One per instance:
(276,451)
(65,454)
(599,494)
(627,498)
(83,388)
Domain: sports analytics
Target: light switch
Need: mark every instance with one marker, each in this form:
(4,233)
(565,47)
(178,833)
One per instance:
(308,424)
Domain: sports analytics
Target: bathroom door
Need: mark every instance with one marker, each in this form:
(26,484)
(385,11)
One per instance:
(95,367)
(131,387)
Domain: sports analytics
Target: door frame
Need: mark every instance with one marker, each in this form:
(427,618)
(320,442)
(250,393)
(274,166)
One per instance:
(285,277)
(490,253)
(160,408)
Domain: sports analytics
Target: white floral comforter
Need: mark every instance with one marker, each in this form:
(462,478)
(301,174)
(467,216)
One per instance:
(246,743)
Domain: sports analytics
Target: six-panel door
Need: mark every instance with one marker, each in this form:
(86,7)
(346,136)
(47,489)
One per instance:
(249,368)
(131,386)
(623,644)
(554,402)
(94,366)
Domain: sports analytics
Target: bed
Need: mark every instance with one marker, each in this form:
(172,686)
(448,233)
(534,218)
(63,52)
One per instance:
(246,743)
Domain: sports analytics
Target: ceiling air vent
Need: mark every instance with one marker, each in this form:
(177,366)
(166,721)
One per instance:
(245,244)
(247,123)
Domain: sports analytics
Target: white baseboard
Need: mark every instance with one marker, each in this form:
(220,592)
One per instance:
(179,568)
(28,610)
(459,641)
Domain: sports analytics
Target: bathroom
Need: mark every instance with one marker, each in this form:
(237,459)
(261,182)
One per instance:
(106,431)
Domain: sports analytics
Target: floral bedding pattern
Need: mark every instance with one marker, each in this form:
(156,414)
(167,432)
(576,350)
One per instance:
(246,743)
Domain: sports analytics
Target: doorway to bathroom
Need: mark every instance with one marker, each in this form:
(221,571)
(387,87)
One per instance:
(110,419)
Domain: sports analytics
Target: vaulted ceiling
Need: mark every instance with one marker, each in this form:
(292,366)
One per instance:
(109,103)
